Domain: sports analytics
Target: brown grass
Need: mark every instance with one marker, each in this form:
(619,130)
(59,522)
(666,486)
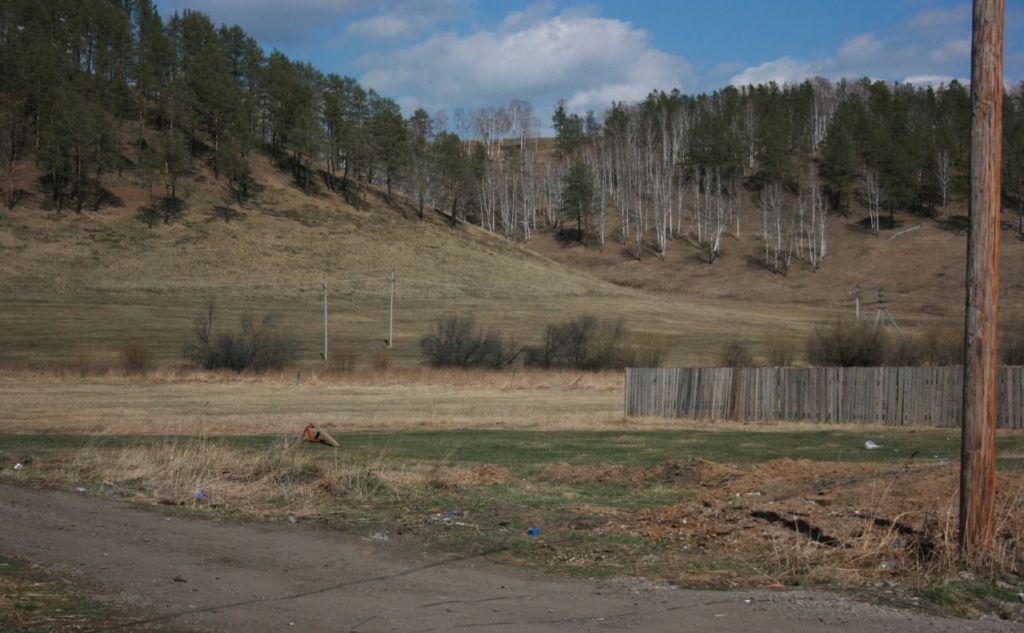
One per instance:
(136,359)
(923,270)
(282,479)
(869,523)
(863,524)
(185,401)
(195,403)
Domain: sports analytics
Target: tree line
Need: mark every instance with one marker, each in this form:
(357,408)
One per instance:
(96,87)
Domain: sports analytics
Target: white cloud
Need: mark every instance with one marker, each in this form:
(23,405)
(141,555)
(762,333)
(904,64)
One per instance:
(932,80)
(532,14)
(404,19)
(933,19)
(931,44)
(386,26)
(782,71)
(860,49)
(587,59)
(272,21)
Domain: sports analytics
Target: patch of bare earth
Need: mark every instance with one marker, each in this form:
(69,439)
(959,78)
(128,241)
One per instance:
(795,521)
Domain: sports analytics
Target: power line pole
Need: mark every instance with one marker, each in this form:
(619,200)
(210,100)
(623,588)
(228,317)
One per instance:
(391,311)
(981,361)
(325,317)
(882,313)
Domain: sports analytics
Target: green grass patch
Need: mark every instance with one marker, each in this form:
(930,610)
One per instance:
(963,597)
(527,452)
(32,600)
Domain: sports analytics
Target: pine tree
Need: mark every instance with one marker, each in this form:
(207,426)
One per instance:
(420,132)
(450,170)
(569,132)
(578,195)
(388,135)
(839,159)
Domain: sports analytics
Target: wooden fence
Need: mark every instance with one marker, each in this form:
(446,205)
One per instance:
(929,396)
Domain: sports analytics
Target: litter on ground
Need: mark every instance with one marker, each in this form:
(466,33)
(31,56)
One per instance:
(315,435)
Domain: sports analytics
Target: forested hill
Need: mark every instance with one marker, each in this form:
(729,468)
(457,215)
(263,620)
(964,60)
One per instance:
(94,92)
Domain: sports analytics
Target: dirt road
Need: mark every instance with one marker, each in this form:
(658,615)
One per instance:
(210,576)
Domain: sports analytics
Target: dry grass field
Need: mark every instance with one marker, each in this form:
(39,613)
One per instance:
(467,460)
(196,403)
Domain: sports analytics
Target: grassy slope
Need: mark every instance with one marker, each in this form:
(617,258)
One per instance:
(81,286)
(922,270)
(92,282)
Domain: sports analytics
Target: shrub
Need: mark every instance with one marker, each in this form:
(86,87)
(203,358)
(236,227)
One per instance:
(736,354)
(847,344)
(905,351)
(86,361)
(342,360)
(381,361)
(255,346)
(943,346)
(225,213)
(167,208)
(583,343)
(648,350)
(458,342)
(136,359)
(780,352)
(1011,346)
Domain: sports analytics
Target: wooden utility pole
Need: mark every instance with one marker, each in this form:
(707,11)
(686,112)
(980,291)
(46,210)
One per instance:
(981,361)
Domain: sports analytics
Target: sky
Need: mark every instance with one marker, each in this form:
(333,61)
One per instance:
(472,53)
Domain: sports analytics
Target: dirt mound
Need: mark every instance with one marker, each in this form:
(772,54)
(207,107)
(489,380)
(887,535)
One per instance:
(784,478)
(604,473)
(490,474)
(800,518)
(697,472)
(688,474)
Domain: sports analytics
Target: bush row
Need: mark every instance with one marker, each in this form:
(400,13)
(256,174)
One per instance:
(586,343)
(863,344)
(256,345)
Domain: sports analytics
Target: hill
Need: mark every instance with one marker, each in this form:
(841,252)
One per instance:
(153,167)
(80,286)
(919,263)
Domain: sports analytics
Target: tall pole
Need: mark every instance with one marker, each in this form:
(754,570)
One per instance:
(391,311)
(325,317)
(981,360)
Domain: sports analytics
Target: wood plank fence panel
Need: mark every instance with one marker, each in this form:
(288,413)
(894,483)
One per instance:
(896,396)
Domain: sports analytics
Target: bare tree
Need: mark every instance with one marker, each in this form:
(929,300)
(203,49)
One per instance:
(872,191)
(944,174)
(814,233)
(777,228)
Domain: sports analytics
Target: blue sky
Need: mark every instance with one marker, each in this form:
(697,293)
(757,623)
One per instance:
(449,53)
